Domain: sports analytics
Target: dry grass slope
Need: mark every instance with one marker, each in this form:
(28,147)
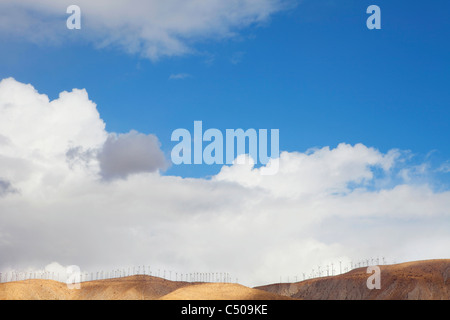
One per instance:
(221,291)
(418,280)
(34,290)
(131,288)
(127,288)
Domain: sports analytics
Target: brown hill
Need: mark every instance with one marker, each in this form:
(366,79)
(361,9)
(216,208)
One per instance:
(128,288)
(34,290)
(425,280)
(138,287)
(131,288)
(419,280)
(221,291)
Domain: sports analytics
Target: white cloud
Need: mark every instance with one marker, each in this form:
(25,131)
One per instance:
(325,170)
(152,28)
(130,153)
(179,76)
(445,167)
(323,206)
(5,187)
(49,140)
(39,132)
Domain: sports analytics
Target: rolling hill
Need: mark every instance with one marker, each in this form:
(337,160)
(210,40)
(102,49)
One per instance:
(418,280)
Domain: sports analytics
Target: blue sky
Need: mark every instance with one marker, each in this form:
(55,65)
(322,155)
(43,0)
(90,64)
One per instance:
(374,103)
(314,71)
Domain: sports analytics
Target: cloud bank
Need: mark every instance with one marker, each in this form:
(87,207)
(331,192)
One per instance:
(130,153)
(152,28)
(86,197)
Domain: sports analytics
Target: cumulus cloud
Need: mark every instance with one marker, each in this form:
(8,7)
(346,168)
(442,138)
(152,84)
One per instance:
(48,140)
(179,76)
(152,28)
(327,170)
(5,187)
(130,153)
(445,167)
(325,205)
(38,132)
